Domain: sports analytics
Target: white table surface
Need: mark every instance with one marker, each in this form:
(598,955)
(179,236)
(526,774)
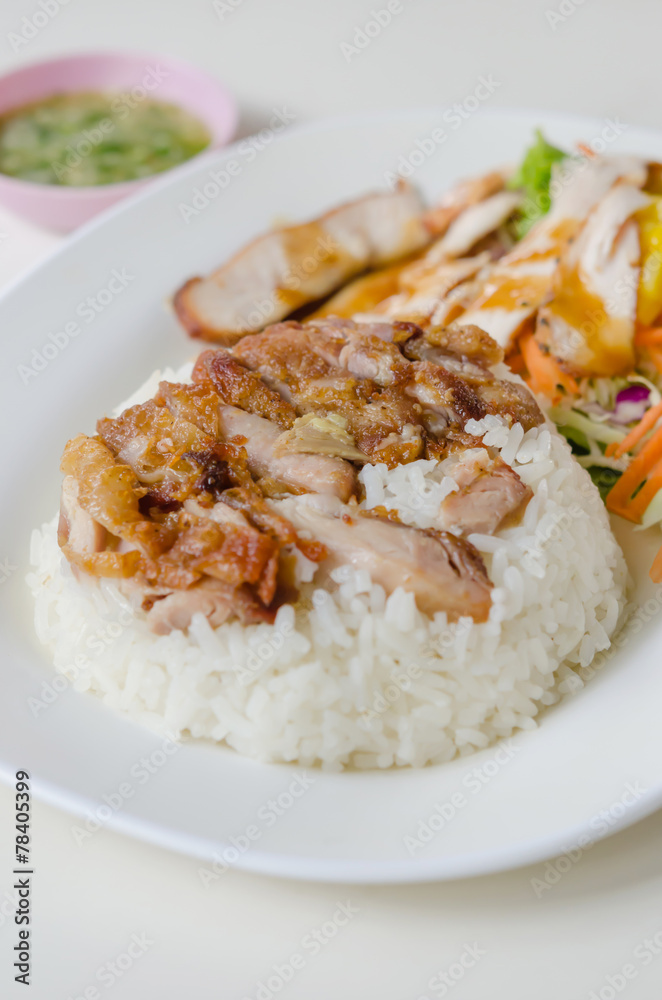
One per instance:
(217,943)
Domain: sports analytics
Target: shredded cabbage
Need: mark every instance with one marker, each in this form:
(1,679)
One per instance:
(594,429)
(653,513)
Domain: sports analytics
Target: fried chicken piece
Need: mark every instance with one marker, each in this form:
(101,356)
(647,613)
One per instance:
(468,342)
(306,364)
(238,386)
(316,473)
(234,554)
(444,573)
(174,456)
(110,493)
(217,601)
(83,540)
(490,494)
(196,404)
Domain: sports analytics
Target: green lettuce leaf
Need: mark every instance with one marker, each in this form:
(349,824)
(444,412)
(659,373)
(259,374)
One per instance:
(533,178)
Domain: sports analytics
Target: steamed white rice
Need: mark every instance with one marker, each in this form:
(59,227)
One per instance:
(351,677)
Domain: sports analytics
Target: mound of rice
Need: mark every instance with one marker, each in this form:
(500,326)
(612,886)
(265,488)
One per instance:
(351,677)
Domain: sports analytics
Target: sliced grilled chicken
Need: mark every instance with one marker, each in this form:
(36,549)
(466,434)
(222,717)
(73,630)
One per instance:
(363,294)
(460,197)
(443,572)
(589,323)
(285,269)
(475,223)
(427,283)
(514,287)
(585,182)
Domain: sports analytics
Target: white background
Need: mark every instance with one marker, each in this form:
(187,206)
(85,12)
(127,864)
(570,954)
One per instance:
(219,942)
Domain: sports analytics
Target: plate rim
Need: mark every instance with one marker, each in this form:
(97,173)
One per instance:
(298,867)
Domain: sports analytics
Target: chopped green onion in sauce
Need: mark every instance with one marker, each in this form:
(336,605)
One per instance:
(85,139)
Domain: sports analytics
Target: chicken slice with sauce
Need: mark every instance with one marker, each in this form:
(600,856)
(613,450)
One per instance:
(422,289)
(461,196)
(589,323)
(413,293)
(474,224)
(514,287)
(274,275)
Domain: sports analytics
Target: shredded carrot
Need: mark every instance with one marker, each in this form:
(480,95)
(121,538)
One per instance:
(637,506)
(655,354)
(515,362)
(656,568)
(546,375)
(648,335)
(619,498)
(649,340)
(635,509)
(586,150)
(647,422)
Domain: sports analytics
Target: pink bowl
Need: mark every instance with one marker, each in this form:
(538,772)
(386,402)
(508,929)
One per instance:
(164,78)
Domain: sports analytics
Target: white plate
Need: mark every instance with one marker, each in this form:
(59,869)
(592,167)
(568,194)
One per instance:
(350,827)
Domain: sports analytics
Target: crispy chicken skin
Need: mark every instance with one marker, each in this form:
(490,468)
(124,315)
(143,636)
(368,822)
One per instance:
(370,373)
(113,524)
(195,499)
(110,493)
(469,342)
(237,385)
(306,362)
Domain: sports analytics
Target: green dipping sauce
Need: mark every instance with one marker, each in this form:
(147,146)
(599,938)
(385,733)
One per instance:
(85,139)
